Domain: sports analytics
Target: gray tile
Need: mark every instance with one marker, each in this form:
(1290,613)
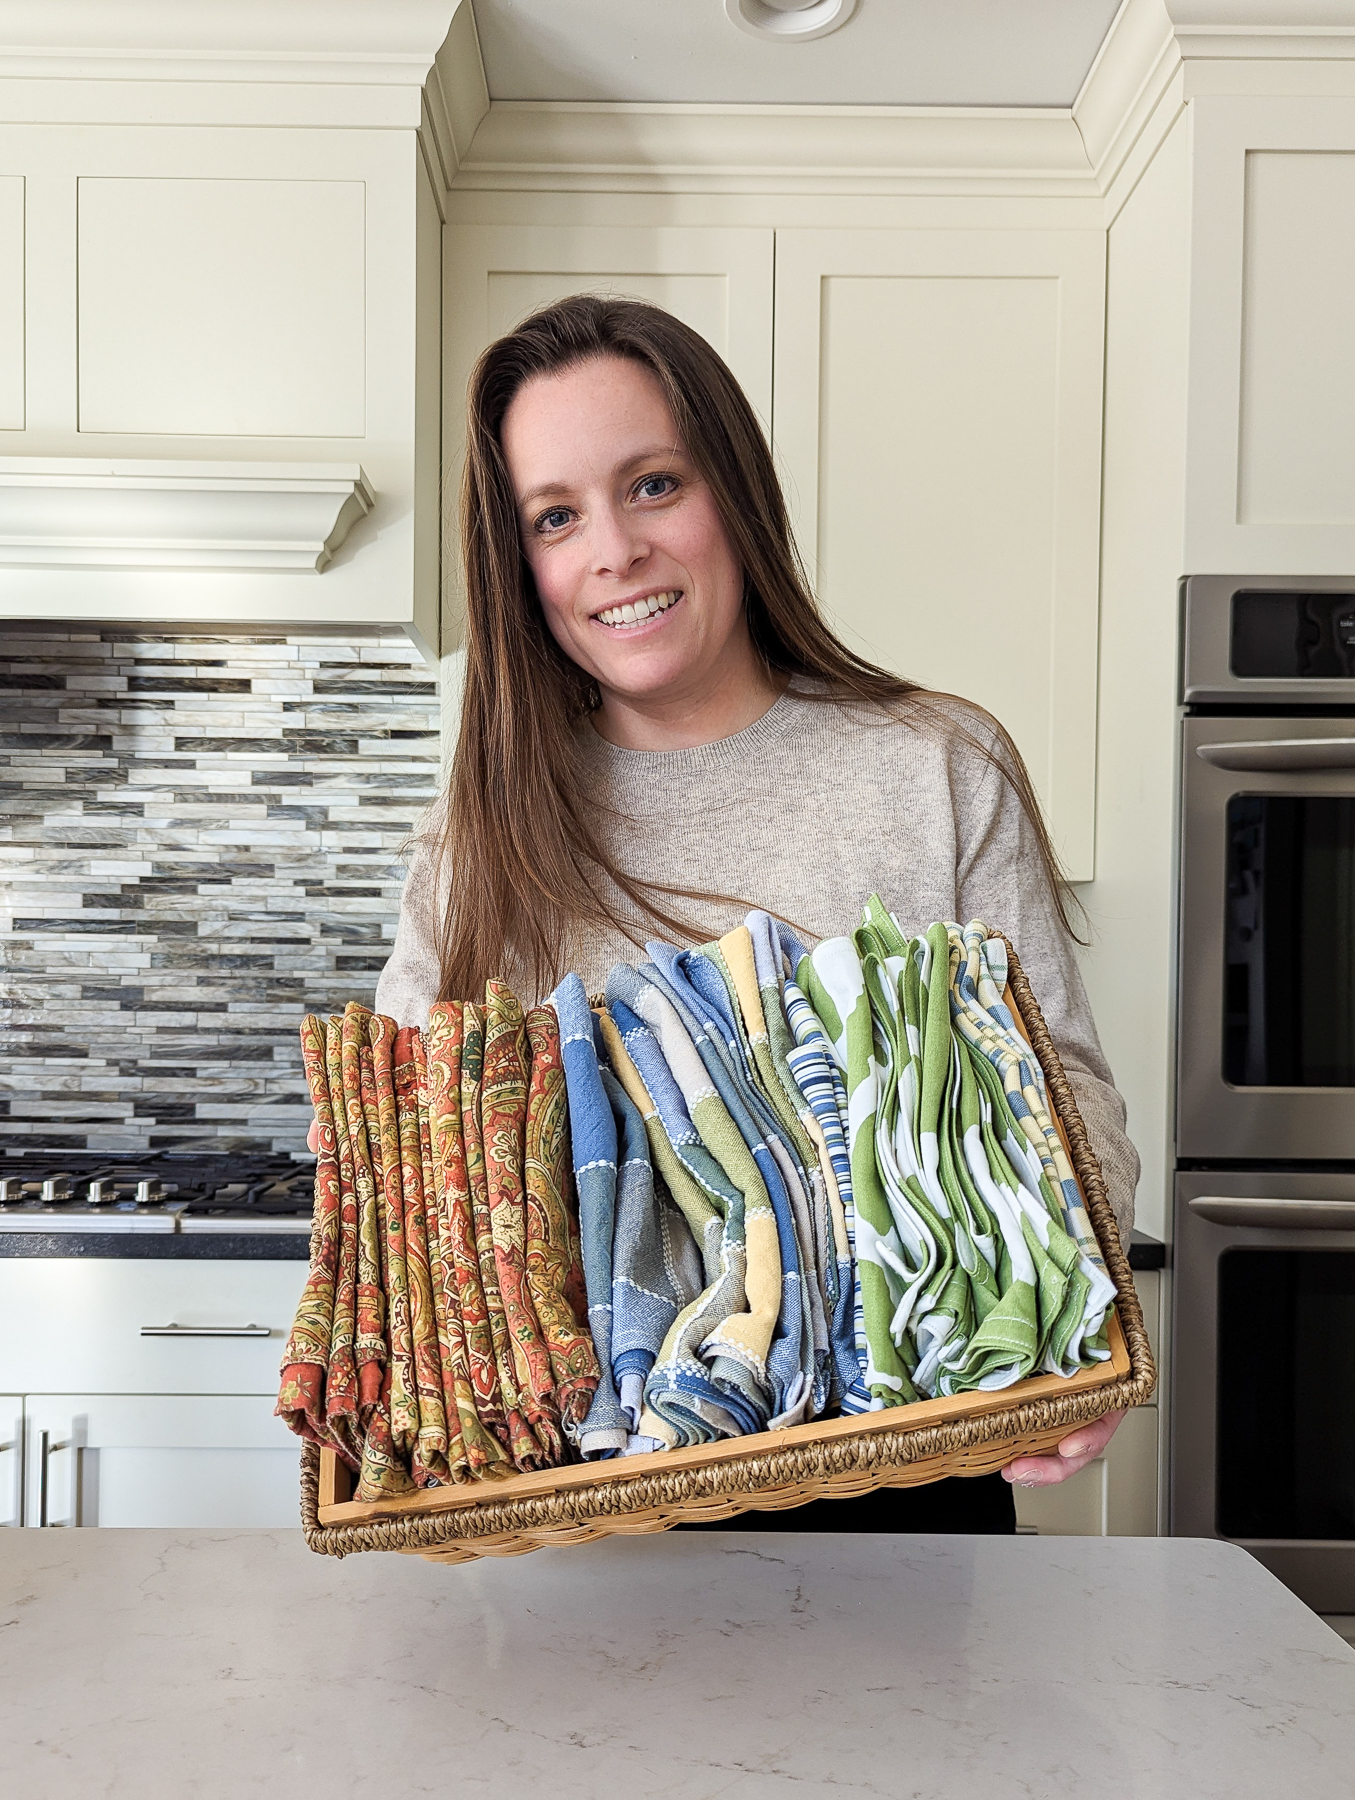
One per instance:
(200,840)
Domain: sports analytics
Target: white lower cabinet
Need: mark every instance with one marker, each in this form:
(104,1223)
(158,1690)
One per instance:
(11,1459)
(158,1460)
(1117,1495)
(144,1392)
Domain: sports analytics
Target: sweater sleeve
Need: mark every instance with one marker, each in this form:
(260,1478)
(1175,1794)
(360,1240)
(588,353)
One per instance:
(1001,880)
(408,985)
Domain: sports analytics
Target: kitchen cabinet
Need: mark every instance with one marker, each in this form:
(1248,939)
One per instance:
(1271,425)
(718,281)
(11,1459)
(114,1427)
(934,399)
(937,406)
(1117,1495)
(214,276)
(103,1304)
(159,1460)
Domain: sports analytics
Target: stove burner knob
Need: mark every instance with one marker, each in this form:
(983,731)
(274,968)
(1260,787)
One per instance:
(101,1192)
(57,1188)
(148,1193)
(11,1191)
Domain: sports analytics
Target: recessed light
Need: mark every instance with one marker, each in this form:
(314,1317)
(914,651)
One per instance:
(789,21)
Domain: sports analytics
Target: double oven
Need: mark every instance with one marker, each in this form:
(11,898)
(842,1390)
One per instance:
(1263,1363)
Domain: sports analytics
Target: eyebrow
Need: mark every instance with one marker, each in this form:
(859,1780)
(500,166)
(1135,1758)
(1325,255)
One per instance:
(550,489)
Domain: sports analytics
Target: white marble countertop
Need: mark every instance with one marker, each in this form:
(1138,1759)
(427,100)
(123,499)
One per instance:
(697,1666)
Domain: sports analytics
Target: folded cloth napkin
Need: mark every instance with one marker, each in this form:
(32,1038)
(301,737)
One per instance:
(523,1446)
(772,1278)
(503,1113)
(791,1147)
(710,1377)
(306,1358)
(468,1352)
(776,954)
(554,1260)
(656,1267)
(440,1452)
(592,1125)
(382,1472)
(383,1138)
(831,979)
(710,1029)
(819,1079)
(341,1383)
(1030,1137)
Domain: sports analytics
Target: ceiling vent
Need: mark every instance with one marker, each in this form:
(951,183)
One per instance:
(789,21)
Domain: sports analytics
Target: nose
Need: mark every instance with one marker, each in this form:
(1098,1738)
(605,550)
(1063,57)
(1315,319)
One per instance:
(618,541)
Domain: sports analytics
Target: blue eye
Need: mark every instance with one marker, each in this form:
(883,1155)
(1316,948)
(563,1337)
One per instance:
(554,520)
(656,487)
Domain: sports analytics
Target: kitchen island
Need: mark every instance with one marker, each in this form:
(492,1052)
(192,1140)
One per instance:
(683,1667)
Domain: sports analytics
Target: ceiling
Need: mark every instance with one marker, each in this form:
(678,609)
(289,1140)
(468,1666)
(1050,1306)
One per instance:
(891,53)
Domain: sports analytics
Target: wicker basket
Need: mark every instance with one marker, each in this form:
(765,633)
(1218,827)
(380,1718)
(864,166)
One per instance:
(904,1446)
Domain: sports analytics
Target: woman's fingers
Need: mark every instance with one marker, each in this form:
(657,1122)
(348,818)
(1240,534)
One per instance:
(313,1138)
(1073,1454)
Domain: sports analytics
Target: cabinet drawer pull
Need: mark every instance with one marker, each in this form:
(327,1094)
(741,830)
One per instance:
(206,1331)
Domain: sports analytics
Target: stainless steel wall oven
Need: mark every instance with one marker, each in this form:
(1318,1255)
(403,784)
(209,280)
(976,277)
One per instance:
(1263,1364)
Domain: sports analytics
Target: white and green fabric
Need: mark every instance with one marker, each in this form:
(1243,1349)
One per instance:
(1030,1137)
(832,980)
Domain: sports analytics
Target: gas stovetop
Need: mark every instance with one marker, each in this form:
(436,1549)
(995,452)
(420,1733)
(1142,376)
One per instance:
(65,1190)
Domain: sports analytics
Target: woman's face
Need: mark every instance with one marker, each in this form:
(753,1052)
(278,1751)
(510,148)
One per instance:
(637,579)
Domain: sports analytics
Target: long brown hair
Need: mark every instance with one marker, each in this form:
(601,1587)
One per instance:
(523,863)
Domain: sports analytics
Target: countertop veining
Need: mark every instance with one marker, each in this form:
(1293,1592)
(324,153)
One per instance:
(682,1667)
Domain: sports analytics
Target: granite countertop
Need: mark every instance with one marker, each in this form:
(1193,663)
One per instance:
(710,1666)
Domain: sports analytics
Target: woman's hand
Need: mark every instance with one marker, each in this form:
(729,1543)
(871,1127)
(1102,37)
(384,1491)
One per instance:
(313,1138)
(1073,1453)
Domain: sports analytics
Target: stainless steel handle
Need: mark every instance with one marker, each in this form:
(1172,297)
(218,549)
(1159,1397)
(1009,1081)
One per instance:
(206,1331)
(46,1451)
(1281,755)
(1275,1215)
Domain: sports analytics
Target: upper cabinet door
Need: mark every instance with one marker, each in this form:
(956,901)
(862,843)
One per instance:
(718,281)
(937,402)
(1270,482)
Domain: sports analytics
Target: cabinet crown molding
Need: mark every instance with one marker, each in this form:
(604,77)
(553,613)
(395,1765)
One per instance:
(332,40)
(1125,107)
(75,512)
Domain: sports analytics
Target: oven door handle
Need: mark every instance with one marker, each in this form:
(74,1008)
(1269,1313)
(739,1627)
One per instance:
(1282,756)
(1275,1215)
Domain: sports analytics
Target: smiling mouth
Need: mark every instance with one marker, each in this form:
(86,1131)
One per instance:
(638,612)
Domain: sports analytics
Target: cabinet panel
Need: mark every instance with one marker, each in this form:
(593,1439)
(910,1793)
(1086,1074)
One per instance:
(11,302)
(158,1460)
(221,308)
(1272,370)
(11,1459)
(73,1324)
(718,281)
(1296,442)
(937,398)
(1115,1496)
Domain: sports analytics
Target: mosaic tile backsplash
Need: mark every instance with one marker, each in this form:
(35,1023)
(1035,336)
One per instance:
(200,840)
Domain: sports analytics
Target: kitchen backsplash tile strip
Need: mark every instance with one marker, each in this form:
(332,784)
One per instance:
(200,842)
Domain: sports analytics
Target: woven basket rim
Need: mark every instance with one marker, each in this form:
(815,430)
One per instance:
(871,1450)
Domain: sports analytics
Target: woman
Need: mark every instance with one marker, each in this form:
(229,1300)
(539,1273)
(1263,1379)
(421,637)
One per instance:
(659,731)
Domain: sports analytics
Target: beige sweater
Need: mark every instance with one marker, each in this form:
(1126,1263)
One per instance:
(807,812)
